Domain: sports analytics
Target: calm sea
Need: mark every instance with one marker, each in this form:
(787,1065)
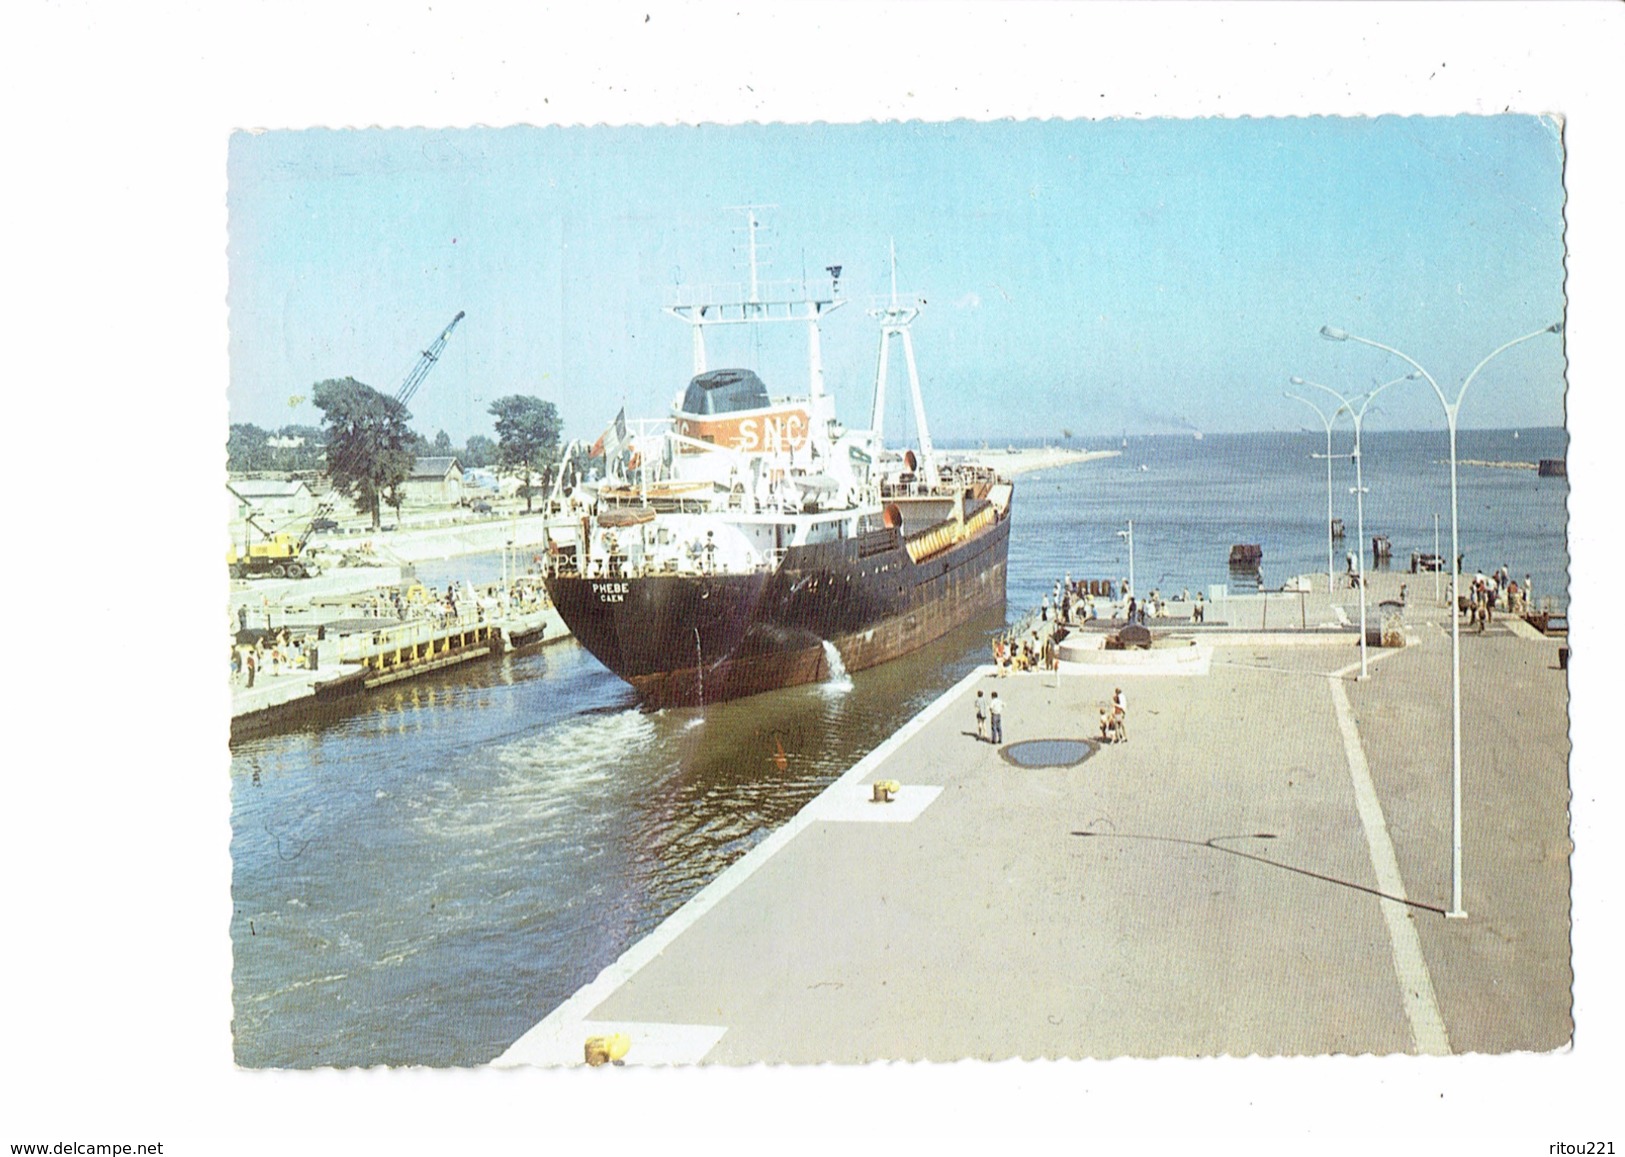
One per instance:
(421,878)
(1192,499)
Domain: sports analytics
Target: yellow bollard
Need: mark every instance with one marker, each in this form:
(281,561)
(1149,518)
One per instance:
(602,1050)
(884,790)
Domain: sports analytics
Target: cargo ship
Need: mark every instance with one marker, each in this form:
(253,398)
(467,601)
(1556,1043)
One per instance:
(749,542)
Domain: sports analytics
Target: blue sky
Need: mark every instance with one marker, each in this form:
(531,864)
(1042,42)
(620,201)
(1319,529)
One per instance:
(1099,276)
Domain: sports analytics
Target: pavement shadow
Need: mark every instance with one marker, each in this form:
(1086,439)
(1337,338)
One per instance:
(1214,844)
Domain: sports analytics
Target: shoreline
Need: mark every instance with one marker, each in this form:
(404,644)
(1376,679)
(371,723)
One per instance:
(437,543)
(1015,462)
(1494,465)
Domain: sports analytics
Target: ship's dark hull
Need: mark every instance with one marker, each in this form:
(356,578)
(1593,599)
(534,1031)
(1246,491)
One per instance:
(682,640)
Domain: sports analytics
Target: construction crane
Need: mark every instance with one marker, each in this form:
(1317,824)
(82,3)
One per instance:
(282,555)
(414,379)
(425,363)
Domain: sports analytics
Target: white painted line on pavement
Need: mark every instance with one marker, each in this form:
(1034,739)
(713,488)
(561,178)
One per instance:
(1415,982)
(575,1009)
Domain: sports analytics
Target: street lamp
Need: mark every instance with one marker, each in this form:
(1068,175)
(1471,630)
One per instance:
(1327,420)
(1451,410)
(1357,416)
(1129,534)
(1436,560)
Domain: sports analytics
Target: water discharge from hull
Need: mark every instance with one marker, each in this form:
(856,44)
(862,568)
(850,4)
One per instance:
(838,681)
(699,666)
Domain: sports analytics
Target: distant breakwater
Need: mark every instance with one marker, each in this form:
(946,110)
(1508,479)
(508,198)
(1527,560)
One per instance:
(1491,465)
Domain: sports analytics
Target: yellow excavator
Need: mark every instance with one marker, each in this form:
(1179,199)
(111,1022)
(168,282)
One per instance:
(278,554)
(282,555)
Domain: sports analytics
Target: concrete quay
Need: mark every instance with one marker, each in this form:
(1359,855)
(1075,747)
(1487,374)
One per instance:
(286,598)
(1262,868)
(352,662)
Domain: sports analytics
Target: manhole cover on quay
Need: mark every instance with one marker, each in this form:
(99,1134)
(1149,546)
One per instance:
(1048,752)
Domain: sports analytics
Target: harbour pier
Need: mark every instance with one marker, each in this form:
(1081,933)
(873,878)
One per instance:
(1262,867)
(341,658)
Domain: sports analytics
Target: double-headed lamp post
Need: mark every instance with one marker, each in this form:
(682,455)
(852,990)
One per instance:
(1129,534)
(1356,408)
(1451,411)
(1326,420)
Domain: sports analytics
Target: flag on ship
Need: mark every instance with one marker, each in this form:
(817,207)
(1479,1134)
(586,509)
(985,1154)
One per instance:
(613,439)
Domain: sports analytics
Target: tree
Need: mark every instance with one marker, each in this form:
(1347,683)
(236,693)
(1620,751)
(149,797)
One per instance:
(246,448)
(527,434)
(442,444)
(480,451)
(368,442)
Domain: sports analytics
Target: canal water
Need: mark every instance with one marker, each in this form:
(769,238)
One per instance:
(422,876)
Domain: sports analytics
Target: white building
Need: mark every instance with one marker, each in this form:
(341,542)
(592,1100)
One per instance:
(273,503)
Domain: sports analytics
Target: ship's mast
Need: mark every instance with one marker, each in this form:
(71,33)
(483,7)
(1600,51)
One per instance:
(894,321)
(758,303)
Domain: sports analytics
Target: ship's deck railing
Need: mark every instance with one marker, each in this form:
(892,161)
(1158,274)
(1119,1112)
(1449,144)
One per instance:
(782,292)
(363,647)
(904,303)
(879,541)
(655,566)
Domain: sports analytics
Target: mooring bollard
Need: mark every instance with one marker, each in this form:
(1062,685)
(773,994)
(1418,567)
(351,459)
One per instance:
(884,790)
(603,1050)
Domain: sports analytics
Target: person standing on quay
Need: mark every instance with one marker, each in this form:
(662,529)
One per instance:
(1120,713)
(981,717)
(995,711)
(252,666)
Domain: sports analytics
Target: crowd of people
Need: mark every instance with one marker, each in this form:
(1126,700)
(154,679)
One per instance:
(289,648)
(1155,606)
(1035,652)
(1497,591)
(1034,645)
(270,654)
(990,718)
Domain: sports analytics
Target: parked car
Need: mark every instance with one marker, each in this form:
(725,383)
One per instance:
(481,508)
(323,524)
